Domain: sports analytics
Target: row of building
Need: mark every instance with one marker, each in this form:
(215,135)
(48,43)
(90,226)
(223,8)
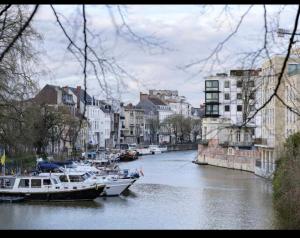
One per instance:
(107,124)
(234,134)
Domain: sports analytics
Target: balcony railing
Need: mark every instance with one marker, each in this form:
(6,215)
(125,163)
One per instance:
(260,141)
(235,143)
(240,143)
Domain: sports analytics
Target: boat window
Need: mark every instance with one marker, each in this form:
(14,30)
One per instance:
(63,178)
(76,178)
(86,176)
(55,181)
(46,182)
(24,183)
(7,182)
(36,183)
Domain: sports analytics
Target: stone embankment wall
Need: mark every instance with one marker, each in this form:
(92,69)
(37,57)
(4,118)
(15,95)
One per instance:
(227,157)
(179,147)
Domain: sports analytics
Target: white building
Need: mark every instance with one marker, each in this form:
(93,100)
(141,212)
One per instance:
(232,96)
(98,117)
(277,121)
(178,104)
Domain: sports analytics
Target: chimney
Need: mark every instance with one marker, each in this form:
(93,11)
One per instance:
(65,88)
(143,96)
(78,89)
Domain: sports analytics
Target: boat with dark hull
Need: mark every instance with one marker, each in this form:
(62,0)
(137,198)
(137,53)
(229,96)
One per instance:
(33,188)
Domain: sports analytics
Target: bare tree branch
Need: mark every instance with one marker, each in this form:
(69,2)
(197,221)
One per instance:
(291,42)
(5,9)
(19,34)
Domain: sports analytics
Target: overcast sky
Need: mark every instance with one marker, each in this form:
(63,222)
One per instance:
(189,32)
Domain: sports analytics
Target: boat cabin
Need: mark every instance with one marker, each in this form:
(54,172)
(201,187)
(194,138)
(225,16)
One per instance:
(26,182)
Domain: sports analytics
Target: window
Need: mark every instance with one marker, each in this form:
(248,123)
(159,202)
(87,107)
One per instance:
(239,84)
(252,95)
(251,83)
(239,96)
(252,108)
(63,178)
(227,96)
(212,85)
(46,182)
(239,108)
(227,108)
(36,183)
(212,97)
(24,183)
(238,136)
(212,109)
(76,178)
(293,69)
(226,84)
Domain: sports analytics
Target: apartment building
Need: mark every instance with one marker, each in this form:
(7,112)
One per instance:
(134,124)
(231,96)
(178,104)
(277,121)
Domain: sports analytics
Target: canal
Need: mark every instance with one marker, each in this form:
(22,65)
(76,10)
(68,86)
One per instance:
(173,194)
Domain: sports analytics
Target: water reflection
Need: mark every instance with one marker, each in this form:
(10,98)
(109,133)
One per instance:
(173,194)
(72,204)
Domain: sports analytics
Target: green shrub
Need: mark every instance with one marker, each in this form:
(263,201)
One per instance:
(286,184)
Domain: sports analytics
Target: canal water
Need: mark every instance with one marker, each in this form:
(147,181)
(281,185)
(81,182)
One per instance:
(173,194)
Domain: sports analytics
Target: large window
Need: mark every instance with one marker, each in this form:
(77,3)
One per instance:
(212,97)
(212,85)
(212,109)
(293,69)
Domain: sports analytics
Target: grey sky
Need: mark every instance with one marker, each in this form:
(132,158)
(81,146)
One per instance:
(191,32)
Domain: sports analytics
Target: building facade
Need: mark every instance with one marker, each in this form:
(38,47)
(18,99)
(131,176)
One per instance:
(63,98)
(134,124)
(277,121)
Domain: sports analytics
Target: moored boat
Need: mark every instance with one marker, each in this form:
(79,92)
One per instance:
(45,188)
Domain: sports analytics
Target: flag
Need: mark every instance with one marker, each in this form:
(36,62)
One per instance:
(3,159)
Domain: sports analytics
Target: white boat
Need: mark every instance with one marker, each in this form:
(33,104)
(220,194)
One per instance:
(155,149)
(163,148)
(45,188)
(113,185)
(144,151)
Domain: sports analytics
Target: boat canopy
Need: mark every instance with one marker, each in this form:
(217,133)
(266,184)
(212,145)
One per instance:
(46,166)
